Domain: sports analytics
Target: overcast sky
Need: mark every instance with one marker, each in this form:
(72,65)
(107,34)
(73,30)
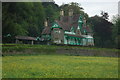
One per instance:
(94,7)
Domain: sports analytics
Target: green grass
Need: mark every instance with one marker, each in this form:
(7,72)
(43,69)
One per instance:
(59,66)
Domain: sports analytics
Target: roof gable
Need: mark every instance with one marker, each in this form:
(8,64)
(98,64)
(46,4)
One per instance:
(67,26)
(55,25)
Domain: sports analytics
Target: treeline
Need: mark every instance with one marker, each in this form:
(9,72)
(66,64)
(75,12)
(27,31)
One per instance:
(27,19)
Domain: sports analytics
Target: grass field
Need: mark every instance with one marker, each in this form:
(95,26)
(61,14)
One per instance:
(59,66)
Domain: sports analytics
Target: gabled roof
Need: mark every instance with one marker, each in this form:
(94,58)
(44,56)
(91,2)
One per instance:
(63,25)
(46,30)
(25,38)
(74,18)
(66,25)
(88,29)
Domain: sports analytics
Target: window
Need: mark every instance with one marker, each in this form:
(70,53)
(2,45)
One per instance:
(89,40)
(57,41)
(57,31)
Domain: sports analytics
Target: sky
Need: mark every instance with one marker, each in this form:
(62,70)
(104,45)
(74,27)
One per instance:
(94,7)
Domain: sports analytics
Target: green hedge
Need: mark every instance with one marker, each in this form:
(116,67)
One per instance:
(49,49)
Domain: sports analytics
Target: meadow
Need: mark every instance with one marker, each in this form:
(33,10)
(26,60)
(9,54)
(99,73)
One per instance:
(59,66)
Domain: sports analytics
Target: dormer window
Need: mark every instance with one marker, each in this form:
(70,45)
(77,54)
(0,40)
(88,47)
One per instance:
(57,31)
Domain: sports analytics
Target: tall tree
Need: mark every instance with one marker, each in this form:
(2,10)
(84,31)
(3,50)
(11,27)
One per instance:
(104,15)
(116,31)
(75,7)
(51,11)
(25,18)
(102,31)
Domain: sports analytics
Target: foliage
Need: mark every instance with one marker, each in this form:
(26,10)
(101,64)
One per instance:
(15,49)
(51,11)
(116,31)
(102,31)
(104,15)
(75,7)
(27,18)
(22,19)
(59,66)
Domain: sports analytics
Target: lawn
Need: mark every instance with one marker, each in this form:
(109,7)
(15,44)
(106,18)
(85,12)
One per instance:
(59,66)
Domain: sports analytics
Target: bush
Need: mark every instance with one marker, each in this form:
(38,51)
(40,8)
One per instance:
(53,49)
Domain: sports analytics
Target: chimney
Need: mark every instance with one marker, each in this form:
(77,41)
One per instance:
(70,15)
(84,22)
(45,23)
(61,14)
(70,12)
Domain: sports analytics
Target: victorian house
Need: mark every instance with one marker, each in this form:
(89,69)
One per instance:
(69,30)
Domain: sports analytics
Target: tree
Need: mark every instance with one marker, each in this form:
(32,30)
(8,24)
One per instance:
(116,31)
(102,31)
(104,15)
(75,7)
(51,11)
(36,20)
(25,18)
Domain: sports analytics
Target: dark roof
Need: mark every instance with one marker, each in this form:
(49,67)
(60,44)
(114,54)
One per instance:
(75,35)
(46,30)
(74,18)
(66,25)
(63,25)
(88,29)
(25,38)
